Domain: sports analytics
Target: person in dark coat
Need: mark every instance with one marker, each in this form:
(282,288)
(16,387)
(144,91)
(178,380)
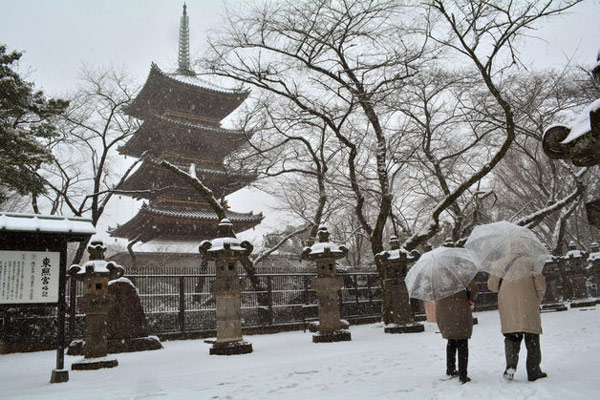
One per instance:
(520,293)
(455,320)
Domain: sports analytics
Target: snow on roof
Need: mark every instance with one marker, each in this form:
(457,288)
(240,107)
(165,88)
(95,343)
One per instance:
(582,124)
(395,254)
(99,266)
(325,248)
(574,254)
(593,257)
(219,244)
(20,222)
(196,81)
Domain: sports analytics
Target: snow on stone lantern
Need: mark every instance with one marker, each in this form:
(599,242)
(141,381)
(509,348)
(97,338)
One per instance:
(226,251)
(594,268)
(327,284)
(96,304)
(399,317)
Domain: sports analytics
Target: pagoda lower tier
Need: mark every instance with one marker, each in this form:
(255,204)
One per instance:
(176,223)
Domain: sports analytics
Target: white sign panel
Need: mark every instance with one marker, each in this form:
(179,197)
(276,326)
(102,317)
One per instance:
(29,277)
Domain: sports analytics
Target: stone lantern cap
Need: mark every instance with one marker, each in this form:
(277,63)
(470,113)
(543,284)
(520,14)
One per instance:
(396,253)
(226,245)
(574,252)
(324,248)
(97,266)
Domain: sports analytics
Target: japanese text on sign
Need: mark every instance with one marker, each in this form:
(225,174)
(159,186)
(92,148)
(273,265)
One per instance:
(29,277)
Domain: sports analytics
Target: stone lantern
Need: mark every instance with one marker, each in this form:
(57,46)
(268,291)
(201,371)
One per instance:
(226,251)
(96,304)
(395,264)
(551,272)
(327,284)
(594,268)
(574,261)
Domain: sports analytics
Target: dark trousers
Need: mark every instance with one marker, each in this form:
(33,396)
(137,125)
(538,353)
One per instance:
(462,346)
(512,346)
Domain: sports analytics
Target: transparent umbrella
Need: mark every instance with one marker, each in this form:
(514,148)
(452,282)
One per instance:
(441,272)
(500,245)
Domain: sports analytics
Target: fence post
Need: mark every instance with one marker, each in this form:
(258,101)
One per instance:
(305,307)
(72,308)
(182,304)
(270,298)
(356,296)
(369,290)
(341,299)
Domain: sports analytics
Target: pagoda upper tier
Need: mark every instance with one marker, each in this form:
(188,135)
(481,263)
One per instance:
(153,182)
(165,137)
(184,97)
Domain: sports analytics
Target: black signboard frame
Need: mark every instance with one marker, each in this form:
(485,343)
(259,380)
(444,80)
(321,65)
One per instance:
(51,242)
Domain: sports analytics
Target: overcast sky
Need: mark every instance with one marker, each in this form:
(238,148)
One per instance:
(58,36)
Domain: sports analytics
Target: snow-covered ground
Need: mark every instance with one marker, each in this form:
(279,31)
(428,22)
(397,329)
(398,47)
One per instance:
(374,365)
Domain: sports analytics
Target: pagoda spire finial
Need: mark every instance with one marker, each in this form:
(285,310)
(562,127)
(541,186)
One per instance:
(184,45)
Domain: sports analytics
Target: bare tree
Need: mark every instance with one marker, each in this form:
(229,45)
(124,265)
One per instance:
(537,191)
(83,177)
(484,34)
(290,152)
(340,62)
(248,264)
(335,62)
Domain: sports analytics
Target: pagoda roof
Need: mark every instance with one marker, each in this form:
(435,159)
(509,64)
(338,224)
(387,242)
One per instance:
(164,134)
(187,95)
(181,223)
(149,176)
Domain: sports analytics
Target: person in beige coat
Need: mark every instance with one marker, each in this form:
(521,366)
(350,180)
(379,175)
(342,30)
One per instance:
(520,290)
(455,320)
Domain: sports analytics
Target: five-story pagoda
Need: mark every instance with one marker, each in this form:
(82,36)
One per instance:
(182,124)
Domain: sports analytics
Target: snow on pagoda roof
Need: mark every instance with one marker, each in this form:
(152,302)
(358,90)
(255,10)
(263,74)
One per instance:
(201,213)
(163,93)
(20,222)
(203,127)
(197,82)
(154,222)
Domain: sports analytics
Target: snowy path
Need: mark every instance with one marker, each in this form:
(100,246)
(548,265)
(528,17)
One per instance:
(288,366)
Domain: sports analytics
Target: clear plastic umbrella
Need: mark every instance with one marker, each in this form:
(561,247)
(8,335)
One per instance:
(500,245)
(441,272)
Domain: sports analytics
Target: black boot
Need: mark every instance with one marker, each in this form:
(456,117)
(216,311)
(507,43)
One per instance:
(512,346)
(534,357)
(451,358)
(463,360)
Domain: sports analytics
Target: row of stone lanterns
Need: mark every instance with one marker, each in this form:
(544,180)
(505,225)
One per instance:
(577,273)
(226,251)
